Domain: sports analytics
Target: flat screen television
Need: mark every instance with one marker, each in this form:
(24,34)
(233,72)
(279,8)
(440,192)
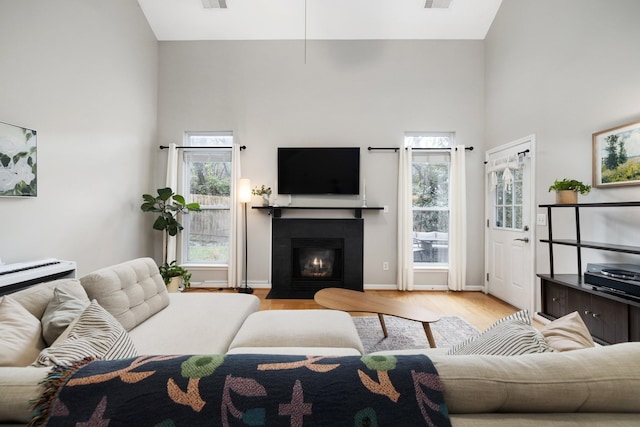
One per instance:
(319,170)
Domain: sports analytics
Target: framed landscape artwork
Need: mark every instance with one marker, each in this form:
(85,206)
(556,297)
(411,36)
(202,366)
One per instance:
(18,172)
(616,156)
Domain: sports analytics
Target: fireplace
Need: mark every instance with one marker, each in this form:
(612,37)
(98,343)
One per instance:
(313,254)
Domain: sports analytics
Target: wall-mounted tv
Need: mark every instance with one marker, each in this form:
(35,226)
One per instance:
(319,170)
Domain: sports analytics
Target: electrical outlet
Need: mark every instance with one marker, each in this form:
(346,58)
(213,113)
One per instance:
(385,265)
(541,219)
(385,208)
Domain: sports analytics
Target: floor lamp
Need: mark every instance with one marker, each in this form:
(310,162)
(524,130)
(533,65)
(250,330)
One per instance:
(244,196)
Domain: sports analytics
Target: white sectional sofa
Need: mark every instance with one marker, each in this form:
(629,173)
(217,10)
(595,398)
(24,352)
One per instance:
(590,387)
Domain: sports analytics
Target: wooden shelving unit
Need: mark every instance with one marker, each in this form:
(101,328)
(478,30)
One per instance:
(611,317)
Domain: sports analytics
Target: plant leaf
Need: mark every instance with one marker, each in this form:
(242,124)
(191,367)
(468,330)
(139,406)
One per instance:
(165,193)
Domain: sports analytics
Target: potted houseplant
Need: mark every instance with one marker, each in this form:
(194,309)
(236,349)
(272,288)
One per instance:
(567,190)
(167,205)
(263,191)
(173,274)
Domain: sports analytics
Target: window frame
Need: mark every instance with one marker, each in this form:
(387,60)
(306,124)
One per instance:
(446,150)
(185,189)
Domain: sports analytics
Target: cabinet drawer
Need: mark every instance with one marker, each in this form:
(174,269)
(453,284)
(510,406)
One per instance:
(606,319)
(634,323)
(555,299)
(609,320)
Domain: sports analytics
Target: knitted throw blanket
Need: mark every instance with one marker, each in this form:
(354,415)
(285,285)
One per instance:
(245,390)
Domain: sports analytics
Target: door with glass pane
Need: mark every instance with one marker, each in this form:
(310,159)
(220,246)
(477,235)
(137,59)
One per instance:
(509,237)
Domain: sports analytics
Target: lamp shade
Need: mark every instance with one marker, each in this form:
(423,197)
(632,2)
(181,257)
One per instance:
(244,190)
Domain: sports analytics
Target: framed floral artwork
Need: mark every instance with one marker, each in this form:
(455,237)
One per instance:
(616,156)
(18,170)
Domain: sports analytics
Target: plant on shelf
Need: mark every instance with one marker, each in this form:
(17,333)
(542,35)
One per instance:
(263,191)
(167,205)
(567,190)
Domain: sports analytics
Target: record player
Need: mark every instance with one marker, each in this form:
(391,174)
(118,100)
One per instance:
(621,278)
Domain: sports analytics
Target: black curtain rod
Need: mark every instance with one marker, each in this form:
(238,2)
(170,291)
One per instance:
(162,147)
(415,149)
(519,153)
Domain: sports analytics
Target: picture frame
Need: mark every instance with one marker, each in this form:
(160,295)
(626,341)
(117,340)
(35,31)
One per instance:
(616,156)
(18,161)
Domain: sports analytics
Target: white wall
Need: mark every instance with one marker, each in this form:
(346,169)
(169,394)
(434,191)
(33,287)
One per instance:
(83,73)
(563,70)
(348,93)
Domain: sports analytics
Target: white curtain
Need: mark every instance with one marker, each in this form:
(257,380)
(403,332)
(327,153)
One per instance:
(458,221)
(171,242)
(405,221)
(236,240)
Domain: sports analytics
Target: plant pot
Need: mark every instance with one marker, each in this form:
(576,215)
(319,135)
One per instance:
(265,200)
(564,197)
(174,284)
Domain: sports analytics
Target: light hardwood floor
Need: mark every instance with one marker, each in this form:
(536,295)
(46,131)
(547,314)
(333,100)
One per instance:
(478,309)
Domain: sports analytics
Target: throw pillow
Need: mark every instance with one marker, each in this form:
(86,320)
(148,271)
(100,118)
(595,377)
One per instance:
(60,312)
(509,336)
(96,333)
(568,333)
(20,334)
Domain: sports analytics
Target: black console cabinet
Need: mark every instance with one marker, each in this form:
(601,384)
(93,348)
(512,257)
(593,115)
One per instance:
(611,318)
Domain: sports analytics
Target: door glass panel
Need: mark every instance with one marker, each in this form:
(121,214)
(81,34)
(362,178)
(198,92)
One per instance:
(508,202)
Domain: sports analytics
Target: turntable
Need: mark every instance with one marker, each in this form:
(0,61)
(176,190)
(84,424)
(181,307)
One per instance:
(621,278)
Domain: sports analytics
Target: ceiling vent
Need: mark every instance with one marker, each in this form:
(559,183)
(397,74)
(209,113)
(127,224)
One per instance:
(219,4)
(437,4)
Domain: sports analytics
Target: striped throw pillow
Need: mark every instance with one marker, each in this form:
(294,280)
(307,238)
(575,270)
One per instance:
(96,333)
(509,336)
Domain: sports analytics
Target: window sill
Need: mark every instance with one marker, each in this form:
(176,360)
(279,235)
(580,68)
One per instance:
(431,267)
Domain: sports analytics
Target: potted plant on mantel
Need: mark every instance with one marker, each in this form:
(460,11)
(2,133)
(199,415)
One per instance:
(168,205)
(567,190)
(264,192)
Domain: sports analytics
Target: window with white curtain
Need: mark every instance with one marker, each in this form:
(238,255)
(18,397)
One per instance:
(431,174)
(207,178)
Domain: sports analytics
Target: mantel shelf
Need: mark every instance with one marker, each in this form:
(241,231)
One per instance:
(276,211)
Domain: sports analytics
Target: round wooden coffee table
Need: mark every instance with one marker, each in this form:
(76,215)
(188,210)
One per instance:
(348,300)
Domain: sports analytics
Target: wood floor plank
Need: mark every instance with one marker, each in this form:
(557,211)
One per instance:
(477,308)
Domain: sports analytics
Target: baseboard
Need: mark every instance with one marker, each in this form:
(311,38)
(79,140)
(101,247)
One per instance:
(372,286)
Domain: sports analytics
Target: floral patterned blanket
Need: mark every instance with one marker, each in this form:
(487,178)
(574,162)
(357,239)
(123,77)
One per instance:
(245,390)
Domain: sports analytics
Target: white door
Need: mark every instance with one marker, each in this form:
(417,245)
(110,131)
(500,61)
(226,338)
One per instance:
(510,236)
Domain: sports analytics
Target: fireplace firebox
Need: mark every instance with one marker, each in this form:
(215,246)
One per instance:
(313,254)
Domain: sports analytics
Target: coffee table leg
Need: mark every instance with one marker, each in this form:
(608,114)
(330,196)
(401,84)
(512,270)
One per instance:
(427,330)
(384,327)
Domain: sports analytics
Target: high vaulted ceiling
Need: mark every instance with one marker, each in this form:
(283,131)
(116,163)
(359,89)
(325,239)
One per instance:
(319,19)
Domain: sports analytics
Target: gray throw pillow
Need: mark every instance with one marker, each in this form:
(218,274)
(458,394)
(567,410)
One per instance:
(63,309)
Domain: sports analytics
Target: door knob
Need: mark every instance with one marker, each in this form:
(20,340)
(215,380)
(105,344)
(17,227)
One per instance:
(526,239)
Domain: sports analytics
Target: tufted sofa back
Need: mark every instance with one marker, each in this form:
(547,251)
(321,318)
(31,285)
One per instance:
(132,291)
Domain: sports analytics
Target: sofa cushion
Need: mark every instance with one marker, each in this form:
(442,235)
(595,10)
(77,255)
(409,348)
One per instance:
(36,298)
(298,328)
(568,333)
(21,386)
(20,334)
(598,379)
(508,336)
(60,312)
(132,291)
(195,323)
(95,334)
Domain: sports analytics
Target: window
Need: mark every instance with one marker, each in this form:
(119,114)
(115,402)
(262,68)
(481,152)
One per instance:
(430,193)
(508,202)
(207,180)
